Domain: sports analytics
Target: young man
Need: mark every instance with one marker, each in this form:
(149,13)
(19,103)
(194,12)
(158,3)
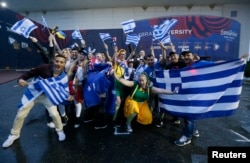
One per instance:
(54,72)
(175,63)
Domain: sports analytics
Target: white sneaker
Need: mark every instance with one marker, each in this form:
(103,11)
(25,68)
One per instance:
(10,140)
(129,128)
(51,125)
(61,135)
(76,125)
(183,141)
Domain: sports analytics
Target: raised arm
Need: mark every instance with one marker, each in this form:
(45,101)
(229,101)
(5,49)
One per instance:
(164,54)
(107,52)
(44,53)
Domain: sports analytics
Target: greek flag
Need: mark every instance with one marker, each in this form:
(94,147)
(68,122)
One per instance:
(132,38)
(23,27)
(128,26)
(76,34)
(160,31)
(104,36)
(204,91)
(55,88)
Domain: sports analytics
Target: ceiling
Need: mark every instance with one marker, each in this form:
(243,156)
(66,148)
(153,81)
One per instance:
(22,6)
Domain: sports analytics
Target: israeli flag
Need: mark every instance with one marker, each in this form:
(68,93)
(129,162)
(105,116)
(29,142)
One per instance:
(23,27)
(128,26)
(55,88)
(205,91)
(132,38)
(76,34)
(104,36)
(44,23)
(160,31)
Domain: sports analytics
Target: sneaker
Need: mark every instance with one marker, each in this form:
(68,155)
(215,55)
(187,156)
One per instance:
(101,127)
(183,141)
(175,121)
(121,131)
(129,128)
(88,120)
(159,124)
(51,125)
(65,119)
(196,133)
(10,140)
(61,135)
(77,122)
(115,124)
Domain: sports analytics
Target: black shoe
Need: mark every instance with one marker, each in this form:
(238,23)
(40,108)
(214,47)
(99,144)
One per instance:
(97,127)
(88,120)
(159,124)
(65,119)
(175,121)
(77,122)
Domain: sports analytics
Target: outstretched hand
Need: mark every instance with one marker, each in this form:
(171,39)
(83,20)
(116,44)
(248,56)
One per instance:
(245,56)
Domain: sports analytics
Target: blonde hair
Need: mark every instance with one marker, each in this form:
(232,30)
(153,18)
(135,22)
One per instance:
(120,51)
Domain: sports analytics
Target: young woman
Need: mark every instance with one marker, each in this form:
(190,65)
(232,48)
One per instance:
(136,104)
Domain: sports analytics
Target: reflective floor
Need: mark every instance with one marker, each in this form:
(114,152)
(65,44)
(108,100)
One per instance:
(38,143)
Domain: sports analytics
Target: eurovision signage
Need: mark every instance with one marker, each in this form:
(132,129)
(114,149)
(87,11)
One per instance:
(216,38)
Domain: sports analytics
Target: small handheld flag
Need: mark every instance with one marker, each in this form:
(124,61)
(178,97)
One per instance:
(128,26)
(160,32)
(23,27)
(104,36)
(76,34)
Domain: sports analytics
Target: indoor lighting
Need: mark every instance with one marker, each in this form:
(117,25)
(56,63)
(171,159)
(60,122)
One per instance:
(3,4)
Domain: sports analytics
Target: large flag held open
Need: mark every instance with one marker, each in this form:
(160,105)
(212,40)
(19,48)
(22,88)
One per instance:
(206,91)
(24,27)
(55,88)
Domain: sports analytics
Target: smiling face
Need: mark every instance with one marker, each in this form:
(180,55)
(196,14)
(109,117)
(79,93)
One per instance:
(143,81)
(151,60)
(174,58)
(188,58)
(59,64)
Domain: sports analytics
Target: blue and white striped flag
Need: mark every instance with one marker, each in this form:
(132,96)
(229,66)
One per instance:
(76,34)
(104,36)
(55,88)
(166,39)
(128,26)
(23,27)
(45,25)
(132,38)
(204,91)
(160,31)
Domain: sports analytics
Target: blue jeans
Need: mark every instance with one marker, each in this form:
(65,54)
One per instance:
(190,127)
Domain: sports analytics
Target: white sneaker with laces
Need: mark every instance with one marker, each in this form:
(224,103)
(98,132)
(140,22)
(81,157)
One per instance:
(10,140)
(61,135)
(51,125)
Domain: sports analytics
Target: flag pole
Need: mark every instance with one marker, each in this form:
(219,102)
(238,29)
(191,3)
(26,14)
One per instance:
(45,24)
